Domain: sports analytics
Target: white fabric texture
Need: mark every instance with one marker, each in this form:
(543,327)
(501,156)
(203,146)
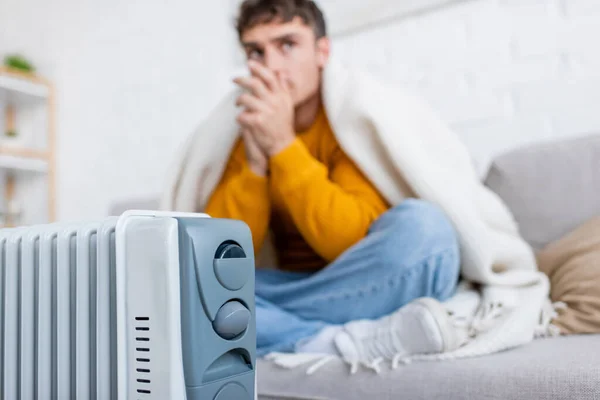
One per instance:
(391,135)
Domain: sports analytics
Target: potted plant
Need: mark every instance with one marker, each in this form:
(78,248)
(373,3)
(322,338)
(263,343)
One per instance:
(19,63)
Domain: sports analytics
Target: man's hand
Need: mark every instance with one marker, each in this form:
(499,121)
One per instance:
(257,159)
(269,113)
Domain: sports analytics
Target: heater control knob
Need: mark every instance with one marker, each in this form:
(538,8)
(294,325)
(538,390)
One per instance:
(232,268)
(232,320)
(230,250)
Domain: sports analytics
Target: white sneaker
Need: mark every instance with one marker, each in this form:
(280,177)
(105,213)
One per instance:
(463,307)
(421,327)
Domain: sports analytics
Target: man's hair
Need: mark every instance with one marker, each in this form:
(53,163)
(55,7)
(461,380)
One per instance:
(256,12)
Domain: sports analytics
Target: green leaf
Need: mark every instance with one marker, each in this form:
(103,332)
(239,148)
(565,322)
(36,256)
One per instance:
(18,62)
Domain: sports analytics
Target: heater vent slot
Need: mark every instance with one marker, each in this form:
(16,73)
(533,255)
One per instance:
(143,355)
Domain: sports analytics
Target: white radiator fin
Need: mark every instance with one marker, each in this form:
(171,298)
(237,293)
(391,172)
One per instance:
(57,306)
(11,323)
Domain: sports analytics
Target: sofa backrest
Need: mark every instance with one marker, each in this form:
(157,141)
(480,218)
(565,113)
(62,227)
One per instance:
(551,188)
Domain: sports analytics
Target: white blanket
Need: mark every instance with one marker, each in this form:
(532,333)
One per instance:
(389,135)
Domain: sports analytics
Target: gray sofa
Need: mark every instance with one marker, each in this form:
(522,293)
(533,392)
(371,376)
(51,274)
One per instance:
(551,188)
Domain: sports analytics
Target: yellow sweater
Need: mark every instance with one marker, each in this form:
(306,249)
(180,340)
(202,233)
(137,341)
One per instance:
(316,202)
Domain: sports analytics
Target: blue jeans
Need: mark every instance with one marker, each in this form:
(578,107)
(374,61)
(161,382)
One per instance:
(411,251)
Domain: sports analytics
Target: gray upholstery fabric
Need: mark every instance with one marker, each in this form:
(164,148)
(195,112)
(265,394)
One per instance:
(550,188)
(552,369)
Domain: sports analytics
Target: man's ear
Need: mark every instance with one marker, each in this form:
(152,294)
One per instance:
(323,51)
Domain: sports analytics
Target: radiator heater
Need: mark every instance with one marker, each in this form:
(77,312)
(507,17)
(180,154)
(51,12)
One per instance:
(147,305)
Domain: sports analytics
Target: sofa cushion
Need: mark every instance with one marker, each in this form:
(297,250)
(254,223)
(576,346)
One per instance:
(561,368)
(573,266)
(551,188)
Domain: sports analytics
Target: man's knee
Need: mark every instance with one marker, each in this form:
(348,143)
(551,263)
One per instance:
(421,220)
(419,233)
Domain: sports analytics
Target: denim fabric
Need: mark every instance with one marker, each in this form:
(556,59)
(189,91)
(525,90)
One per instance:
(411,251)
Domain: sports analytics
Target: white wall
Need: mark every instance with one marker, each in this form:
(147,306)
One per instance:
(135,77)
(502,73)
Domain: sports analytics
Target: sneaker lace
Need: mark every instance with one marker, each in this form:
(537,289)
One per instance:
(486,317)
(382,344)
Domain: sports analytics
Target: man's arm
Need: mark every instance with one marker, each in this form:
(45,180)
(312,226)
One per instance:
(332,214)
(242,194)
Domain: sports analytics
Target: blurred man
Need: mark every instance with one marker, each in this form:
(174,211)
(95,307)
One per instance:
(370,202)
(343,253)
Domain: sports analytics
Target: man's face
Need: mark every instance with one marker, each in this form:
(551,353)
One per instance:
(289,49)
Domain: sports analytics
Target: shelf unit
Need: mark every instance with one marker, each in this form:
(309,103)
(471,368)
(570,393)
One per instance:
(27,157)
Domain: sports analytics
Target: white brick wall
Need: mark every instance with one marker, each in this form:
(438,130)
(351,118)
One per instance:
(502,73)
(135,77)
